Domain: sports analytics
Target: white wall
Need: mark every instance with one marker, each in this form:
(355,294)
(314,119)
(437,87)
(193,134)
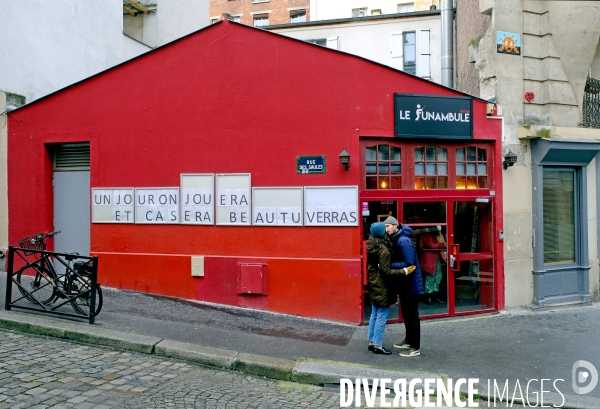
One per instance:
(181,17)
(48,45)
(371,39)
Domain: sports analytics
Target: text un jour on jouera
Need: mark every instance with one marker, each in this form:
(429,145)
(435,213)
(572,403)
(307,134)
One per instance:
(197,207)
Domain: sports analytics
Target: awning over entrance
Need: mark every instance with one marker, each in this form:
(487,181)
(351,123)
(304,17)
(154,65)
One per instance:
(553,151)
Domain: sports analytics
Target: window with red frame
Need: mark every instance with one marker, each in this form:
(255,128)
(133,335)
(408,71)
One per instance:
(427,167)
(431,167)
(383,167)
(471,168)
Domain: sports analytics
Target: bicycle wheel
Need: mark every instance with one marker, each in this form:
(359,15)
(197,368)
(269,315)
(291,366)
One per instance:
(78,286)
(36,286)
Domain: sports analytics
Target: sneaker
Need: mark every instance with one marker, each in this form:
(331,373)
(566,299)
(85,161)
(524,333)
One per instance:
(402,345)
(411,352)
(381,351)
(371,347)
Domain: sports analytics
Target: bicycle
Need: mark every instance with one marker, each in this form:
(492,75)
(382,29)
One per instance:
(48,285)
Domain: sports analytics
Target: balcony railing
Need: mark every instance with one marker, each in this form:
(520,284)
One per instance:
(591,104)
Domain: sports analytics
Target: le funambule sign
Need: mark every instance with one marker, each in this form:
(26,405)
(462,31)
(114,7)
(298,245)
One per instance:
(432,116)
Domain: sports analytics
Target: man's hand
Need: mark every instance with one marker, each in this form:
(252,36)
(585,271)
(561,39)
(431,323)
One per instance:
(403,271)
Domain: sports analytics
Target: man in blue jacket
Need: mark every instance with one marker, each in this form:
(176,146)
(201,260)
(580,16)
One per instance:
(409,284)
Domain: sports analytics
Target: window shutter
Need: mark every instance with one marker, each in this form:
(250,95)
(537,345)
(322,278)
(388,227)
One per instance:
(72,156)
(333,42)
(396,50)
(423,54)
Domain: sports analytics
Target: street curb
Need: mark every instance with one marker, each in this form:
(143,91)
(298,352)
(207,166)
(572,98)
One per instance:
(72,330)
(319,371)
(274,368)
(131,342)
(303,370)
(22,324)
(221,358)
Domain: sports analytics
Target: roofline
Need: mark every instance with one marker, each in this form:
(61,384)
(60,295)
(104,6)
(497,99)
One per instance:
(252,28)
(394,16)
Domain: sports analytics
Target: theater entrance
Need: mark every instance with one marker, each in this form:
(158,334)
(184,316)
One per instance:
(454,244)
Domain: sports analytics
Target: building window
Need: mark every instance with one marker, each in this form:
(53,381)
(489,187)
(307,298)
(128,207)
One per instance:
(298,16)
(237,19)
(359,12)
(406,7)
(431,168)
(318,41)
(376,12)
(214,20)
(426,167)
(409,52)
(471,168)
(383,167)
(559,215)
(261,20)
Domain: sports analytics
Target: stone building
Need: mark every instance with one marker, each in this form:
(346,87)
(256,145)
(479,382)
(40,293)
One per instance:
(537,61)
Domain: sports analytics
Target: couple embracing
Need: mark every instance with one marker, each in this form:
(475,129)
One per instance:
(392,271)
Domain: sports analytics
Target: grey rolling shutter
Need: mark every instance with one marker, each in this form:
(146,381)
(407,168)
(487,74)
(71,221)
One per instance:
(72,156)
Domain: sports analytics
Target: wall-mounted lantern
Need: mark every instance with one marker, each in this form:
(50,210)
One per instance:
(509,159)
(345,159)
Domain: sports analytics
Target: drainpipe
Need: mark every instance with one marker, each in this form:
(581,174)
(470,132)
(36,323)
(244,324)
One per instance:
(447,43)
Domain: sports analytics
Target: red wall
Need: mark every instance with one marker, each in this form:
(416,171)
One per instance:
(226,99)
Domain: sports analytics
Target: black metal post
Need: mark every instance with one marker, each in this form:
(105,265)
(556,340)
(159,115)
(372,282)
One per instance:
(94,284)
(9,273)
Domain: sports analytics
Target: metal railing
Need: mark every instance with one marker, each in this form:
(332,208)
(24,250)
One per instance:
(591,104)
(45,288)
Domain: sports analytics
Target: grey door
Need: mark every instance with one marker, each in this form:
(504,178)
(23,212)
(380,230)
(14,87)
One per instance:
(72,198)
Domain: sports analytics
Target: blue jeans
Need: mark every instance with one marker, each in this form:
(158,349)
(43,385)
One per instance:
(379,316)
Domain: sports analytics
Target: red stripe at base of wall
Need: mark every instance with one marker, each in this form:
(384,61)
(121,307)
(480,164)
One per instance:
(316,288)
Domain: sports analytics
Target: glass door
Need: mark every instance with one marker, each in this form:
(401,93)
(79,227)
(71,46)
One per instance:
(471,256)
(428,221)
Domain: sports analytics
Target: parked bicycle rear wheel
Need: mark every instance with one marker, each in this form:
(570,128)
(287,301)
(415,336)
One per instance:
(36,286)
(82,284)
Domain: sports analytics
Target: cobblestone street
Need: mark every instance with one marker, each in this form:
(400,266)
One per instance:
(38,372)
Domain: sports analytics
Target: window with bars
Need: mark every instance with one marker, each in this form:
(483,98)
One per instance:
(471,168)
(383,167)
(431,167)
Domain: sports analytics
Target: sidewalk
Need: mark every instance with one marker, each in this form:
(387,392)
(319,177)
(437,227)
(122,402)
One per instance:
(512,348)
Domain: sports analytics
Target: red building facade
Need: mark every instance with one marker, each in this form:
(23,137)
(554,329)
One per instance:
(234,100)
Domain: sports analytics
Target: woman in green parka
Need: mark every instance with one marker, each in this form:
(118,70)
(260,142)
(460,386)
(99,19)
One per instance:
(380,294)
